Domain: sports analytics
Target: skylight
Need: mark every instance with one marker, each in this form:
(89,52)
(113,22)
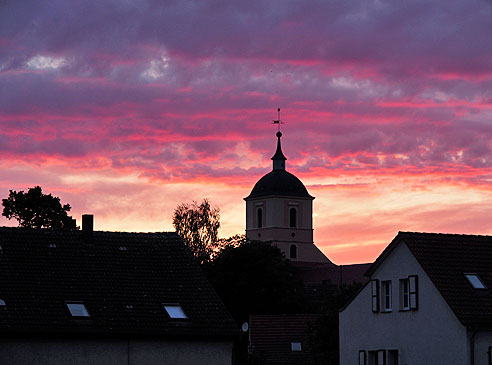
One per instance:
(475,281)
(175,311)
(295,346)
(2,303)
(77,310)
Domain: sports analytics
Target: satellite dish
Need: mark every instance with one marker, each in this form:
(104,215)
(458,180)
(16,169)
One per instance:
(245,327)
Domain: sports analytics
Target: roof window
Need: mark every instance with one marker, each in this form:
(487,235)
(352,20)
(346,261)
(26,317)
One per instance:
(295,346)
(175,311)
(77,309)
(475,281)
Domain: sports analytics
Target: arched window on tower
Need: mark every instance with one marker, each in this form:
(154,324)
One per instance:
(293,217)
(259,218)
(293,251)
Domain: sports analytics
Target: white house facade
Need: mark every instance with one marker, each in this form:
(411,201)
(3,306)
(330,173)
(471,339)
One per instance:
(427,302)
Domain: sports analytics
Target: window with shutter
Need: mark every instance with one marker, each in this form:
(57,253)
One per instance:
(372,358)
(404,295)
(375,295)
(392,357)
(362,357)
(413,289)
(381,357)
(386,296)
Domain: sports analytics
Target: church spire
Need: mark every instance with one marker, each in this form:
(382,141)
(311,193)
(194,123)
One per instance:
(279,158)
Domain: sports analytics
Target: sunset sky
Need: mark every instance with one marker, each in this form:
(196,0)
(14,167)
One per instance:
(125,109)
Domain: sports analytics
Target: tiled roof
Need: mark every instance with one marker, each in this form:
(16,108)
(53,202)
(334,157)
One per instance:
(271,337)
(445,258)
(122,278)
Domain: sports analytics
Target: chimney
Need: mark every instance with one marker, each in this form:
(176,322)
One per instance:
(87,227)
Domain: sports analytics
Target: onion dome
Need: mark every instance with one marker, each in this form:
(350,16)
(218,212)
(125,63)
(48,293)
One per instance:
(279,181)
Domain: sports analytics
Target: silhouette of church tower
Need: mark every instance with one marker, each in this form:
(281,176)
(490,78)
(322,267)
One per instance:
(280,209)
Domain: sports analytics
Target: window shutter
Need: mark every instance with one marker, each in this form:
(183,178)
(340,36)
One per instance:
(413,284)
(375,295)
(362,357)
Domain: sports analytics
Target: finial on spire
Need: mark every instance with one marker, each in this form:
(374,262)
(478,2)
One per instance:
(278,121)
(278,158)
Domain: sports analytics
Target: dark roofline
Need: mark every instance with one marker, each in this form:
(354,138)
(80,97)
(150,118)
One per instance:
(400,237)
(279,196)
(383,254)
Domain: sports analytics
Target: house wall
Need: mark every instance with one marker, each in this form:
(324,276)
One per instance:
(103,352)
(430,335)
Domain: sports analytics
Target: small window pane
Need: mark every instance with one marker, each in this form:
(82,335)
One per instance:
(475,281)
(295,346)
(259,218)
(404,295)
(293,217)
(293,251)
(386,295)
(362,357)
(381,357)
(175,311)
(78,310)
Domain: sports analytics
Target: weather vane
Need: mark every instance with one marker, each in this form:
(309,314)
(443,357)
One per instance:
(278,121)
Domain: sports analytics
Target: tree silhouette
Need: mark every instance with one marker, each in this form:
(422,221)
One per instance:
(255,277)
(37,210)
(198,226)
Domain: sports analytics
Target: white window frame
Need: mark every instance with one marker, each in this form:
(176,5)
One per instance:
(386,297)
(381,357)
(362,357)
(295,346)
(404,294)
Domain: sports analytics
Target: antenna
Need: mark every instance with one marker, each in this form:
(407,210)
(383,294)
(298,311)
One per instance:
(278,121)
